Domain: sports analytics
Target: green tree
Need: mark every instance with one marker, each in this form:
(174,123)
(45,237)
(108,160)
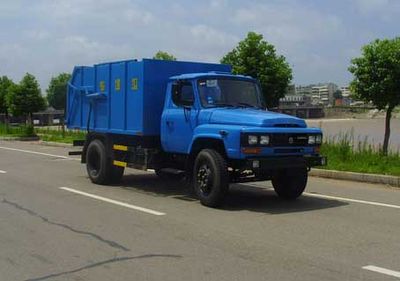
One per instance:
(57,90)
(377,78)
(5,84)
(255,57)
(338,94)
(24,99)
(160,55)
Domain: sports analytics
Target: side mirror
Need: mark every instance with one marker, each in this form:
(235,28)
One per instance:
(182,94)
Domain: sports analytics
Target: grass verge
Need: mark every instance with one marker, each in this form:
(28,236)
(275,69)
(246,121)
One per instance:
(68,136)
(20,131)
(344,154)
(45,134)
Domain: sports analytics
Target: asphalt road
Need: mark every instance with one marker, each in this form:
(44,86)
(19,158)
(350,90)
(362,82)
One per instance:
(56,225)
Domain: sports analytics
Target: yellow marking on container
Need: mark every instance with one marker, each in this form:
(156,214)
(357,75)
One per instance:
(119,163)
(117,83)
(120,147)
(102,86)
(134,84)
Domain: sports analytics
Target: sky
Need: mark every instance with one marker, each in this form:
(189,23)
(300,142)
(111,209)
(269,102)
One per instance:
(317,37)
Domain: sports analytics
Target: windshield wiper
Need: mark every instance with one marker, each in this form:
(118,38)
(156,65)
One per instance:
(239,104)
(243,104)
(223,104)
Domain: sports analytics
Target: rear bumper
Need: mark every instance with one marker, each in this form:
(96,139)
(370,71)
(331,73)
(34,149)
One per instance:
(275,163)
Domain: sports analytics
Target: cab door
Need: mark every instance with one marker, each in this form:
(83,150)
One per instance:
(179,118)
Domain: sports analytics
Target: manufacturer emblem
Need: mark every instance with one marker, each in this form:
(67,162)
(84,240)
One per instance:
(291,140)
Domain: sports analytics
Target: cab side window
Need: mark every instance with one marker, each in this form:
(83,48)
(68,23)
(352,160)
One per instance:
(187,92)
(182,94)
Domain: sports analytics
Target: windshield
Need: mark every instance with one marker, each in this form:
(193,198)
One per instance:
(216,92)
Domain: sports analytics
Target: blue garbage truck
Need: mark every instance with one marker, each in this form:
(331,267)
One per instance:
(189,119)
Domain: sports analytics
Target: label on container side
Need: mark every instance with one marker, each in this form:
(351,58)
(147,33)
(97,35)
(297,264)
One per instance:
(102,86)
(117,84)
(134,84)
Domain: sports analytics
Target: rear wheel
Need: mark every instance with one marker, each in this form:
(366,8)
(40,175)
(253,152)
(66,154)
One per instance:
(210,177)
(116,173)
(290,183)
(99,166)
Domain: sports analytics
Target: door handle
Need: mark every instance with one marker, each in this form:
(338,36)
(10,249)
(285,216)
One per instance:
(169,123)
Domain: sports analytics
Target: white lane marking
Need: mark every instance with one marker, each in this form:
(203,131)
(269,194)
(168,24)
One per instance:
(352,200)
(382,270)
(2,172)
(119,203)
(38,153)
(343,199)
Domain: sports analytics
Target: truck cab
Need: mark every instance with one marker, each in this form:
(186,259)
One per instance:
(210,127)
(226,113)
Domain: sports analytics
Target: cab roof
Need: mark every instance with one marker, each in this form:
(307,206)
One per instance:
(211,74)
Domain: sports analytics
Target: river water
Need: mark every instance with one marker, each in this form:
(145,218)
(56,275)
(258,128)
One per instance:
(371,130)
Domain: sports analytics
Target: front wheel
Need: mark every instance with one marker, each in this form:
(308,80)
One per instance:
(290,183)
(210,178)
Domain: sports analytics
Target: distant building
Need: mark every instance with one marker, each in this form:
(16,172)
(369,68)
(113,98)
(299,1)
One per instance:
(345,91)
(295,100)
(346,95)
(48,117)
(304,90)
(339,102)
(320,94)
(323,94)
(300,106)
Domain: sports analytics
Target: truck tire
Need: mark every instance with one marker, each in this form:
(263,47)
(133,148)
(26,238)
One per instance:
(99,166)
(116,173)
(210,178)
(97,163)
(290,183)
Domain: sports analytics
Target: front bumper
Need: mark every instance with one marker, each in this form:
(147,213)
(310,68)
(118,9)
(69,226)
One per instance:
(275,163)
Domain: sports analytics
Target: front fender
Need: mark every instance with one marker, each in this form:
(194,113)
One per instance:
(228,134)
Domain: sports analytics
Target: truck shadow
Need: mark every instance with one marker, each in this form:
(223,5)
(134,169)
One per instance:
(259,199)
(150,183)
(241,196)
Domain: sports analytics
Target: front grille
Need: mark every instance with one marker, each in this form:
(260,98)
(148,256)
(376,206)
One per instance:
(289,140)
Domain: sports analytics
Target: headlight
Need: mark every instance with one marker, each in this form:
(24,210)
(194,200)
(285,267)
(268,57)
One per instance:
(318,139)
(311,139)
(252,140)
(264,140)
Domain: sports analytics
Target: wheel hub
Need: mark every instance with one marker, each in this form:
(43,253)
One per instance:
(204,179)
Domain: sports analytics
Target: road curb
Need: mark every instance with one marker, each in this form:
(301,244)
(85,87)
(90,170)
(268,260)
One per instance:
(360,177)
(36,141)
(36,138)
(56,144)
